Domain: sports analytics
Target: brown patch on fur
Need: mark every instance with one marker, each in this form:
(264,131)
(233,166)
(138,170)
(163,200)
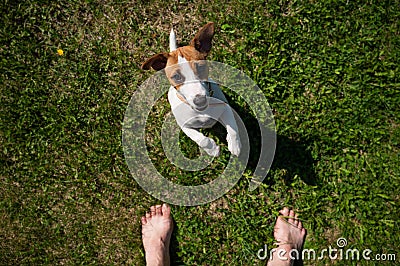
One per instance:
(194,53)
(195,60)
(172,58)
(202,42)
(157,62)
(190,53)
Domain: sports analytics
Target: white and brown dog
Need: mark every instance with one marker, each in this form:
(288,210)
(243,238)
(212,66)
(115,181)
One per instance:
(196,101)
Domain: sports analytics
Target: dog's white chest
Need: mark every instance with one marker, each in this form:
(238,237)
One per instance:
(200,121)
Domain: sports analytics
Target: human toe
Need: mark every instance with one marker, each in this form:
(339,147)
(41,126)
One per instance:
(166,210)
(284,211)
(158,210)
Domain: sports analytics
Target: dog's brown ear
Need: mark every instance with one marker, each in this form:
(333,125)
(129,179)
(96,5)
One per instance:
(202,40)
(157,62)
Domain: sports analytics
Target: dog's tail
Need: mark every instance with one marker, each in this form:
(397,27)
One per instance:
(172,41)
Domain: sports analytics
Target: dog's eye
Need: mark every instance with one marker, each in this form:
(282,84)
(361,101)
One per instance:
(177,77)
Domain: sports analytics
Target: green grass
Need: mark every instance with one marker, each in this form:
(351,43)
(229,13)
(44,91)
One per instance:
(329,69)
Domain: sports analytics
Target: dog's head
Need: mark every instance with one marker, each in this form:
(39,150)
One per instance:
(186,68)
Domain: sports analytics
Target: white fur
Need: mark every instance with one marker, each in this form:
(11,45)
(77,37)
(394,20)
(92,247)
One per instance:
(172,41)
(192,85)
(190,120)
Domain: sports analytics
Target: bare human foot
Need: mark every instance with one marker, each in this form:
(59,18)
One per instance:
(157,227)
(290,235)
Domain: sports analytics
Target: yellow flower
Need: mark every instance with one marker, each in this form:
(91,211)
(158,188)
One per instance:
(60,52)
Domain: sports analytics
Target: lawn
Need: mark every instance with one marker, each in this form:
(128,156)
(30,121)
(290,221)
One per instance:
(330,71)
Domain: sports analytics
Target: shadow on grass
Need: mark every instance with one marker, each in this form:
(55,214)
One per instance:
(174,247)
(292,157)
(296,159)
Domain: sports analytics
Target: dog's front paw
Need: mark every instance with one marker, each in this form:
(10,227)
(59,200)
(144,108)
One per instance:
(210,147)
(234,145)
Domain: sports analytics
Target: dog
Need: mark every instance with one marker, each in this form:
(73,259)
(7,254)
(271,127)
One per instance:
(196,101)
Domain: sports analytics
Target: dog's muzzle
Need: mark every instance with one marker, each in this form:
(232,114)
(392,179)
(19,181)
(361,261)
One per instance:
(200,101)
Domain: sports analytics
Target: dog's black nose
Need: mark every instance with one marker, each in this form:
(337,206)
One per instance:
(200,100)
